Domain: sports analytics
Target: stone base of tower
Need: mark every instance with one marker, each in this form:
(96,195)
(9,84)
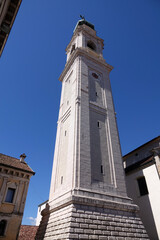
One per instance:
(86,218)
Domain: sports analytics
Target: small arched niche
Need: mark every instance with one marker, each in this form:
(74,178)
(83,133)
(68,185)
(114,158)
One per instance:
(91,45)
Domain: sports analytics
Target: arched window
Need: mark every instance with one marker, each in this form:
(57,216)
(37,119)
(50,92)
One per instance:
(3,224)
(91,45)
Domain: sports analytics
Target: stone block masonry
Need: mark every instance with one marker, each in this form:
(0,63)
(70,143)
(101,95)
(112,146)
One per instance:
(73,220)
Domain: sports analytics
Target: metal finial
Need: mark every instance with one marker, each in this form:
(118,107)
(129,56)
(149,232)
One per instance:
(82,17)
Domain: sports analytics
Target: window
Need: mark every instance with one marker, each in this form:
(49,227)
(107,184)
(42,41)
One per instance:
(101,168)
(65,133)
(73,48)
(3,224)
(5,170)
(10,195)
(98,124)
(61,179)
(95,75)
(142,186)
(91,45)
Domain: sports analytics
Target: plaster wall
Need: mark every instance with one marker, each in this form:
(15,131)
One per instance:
(62,174)
(12,212)
(39,216)
(20,193)
(12,228)
(148,204)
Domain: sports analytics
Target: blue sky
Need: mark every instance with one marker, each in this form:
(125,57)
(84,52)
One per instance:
(34,58)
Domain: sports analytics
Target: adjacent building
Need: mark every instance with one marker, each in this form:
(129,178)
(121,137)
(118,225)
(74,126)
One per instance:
(88,197)
(15,176)
(142,167)
(8,12)
(41,207)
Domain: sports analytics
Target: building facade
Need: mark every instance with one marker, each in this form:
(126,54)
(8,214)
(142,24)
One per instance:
(8,12)
(142,167)
(15,175)
(88,198)
(41,207)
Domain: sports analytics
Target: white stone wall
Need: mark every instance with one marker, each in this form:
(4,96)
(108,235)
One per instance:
(41,207)
(87,155)
(148,204)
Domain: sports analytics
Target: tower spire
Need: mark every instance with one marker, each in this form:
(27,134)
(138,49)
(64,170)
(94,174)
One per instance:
(82,17)
(83,21)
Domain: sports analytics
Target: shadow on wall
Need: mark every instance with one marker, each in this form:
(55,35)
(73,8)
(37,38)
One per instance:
(43,224)
(138,191)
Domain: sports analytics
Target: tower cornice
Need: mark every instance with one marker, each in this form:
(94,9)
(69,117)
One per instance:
(91,55)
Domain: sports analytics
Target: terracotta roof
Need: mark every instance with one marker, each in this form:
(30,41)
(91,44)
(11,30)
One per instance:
(27,232)
(14,163)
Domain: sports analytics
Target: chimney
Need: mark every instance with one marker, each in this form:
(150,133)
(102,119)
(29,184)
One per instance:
(22,157)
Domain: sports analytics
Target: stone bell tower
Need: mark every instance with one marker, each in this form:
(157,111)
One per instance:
(88,198)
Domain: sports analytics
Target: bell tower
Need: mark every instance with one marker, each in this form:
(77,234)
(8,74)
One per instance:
(88,198)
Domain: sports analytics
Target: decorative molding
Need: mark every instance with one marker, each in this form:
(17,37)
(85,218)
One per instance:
(87,53)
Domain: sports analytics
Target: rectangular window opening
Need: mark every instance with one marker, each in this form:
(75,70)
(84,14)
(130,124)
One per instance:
(3,224)
(98,124)
(142,186)
(65,133)
(61,179)
(10,195)
(101,168)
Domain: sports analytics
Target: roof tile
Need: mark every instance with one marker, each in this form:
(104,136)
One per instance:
(27,232)
(15,163)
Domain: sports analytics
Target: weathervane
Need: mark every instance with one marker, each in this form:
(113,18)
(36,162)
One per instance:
(82,17)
